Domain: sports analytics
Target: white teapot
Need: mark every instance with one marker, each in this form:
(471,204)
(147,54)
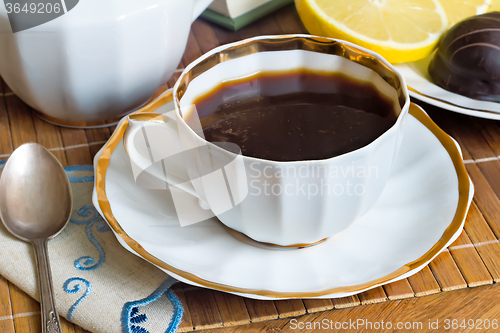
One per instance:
(91,60)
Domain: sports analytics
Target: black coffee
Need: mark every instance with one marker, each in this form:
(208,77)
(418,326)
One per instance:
(294,116)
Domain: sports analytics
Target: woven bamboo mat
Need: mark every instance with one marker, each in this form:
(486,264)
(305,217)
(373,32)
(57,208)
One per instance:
(473,260)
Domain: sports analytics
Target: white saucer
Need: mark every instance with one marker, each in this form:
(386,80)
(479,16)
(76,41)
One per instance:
(420,86)
(421,212)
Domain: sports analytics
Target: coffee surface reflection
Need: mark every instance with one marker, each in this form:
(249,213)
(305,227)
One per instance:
(297,115)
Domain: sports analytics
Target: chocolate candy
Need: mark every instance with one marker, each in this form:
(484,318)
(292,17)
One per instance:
(467,61)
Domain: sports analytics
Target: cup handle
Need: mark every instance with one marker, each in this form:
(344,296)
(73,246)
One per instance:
(141,127)
(199,7)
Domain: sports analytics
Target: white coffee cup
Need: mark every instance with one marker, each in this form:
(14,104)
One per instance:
(293,211)
(95,61)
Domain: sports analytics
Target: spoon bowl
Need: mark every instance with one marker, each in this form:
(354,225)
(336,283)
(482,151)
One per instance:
(35,205)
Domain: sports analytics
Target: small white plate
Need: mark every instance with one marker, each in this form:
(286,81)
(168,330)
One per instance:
(420,86)
(421,212)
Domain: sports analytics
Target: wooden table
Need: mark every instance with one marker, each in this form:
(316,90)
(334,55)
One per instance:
(472,261)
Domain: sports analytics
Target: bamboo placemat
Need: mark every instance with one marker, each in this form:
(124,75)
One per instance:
(473,260)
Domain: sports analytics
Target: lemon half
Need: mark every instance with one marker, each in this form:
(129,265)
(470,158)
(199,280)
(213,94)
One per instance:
(399,30)
(457,10)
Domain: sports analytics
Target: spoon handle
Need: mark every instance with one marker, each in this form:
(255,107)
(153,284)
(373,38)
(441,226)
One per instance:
(50,318)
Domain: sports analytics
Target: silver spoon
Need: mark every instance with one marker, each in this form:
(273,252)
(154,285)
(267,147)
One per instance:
(35,205)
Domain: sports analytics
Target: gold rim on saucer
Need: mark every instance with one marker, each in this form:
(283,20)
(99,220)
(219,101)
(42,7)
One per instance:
(451,104)
(463,189)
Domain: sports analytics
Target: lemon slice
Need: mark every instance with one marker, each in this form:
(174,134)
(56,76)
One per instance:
(495,6)
(399,30)
(457,10)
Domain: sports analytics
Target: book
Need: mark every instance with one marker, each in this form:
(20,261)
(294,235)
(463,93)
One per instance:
(235,14)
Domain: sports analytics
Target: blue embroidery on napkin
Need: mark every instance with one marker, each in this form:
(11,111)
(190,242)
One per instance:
(137,318)
(88,263)
(80,168)
(130,313)
(76,288)
(131,318)
(2,163)
(178,311)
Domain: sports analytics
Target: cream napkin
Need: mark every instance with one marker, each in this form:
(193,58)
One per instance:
(98,285)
